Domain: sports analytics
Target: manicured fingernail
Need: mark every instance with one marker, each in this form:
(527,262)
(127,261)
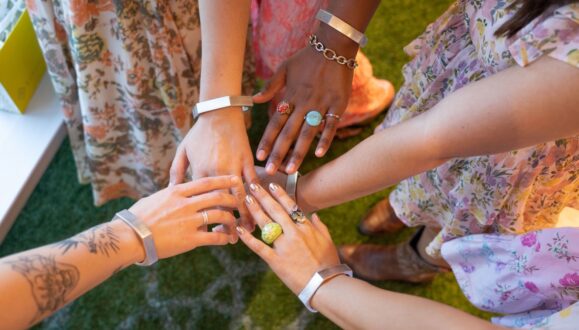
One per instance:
(240,230)
(273,186)
(320,152)
(249,200)
(291,167)
(253,187)
(270,167)
(261,154)
(171,183)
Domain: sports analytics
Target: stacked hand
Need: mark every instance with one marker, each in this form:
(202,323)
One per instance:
(175,214)
(304,247)
(311,83)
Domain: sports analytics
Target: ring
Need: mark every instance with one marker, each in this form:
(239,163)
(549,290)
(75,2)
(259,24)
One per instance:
(313,118)
(271,232)
(283,108)
(205,218)
(297,215)
(332,115)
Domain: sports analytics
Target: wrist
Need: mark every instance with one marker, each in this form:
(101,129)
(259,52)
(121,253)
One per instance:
(225,116)
(338,42)
(302,195)
(320,298)
(130,243)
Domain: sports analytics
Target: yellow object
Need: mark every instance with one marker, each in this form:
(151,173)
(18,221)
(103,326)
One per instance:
(21,66)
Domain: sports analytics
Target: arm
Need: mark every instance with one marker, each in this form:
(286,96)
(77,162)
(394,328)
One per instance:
(38,282)
(305,248)
(343,300)
(513,109)
(218,144)
(312,82)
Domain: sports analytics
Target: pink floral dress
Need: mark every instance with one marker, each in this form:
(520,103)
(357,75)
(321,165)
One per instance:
(532,277)
(512,192)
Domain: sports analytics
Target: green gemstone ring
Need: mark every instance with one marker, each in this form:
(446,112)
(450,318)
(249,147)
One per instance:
(271,232)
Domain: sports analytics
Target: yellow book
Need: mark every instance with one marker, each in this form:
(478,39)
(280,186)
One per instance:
(21,66)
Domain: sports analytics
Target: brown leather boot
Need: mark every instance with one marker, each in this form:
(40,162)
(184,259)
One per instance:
(389,262)
(380,220)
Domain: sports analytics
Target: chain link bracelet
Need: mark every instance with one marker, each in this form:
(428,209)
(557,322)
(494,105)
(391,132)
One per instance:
(330,54)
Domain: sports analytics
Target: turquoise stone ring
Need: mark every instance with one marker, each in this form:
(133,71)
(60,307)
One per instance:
(314,118)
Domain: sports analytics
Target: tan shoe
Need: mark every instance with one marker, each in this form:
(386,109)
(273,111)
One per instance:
(380,220)
(389,262)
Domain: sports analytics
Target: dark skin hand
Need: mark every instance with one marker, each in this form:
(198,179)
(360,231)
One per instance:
(311,83)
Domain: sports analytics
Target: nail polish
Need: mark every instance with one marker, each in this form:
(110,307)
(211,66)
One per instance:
(291,167)
(253,187)
(319,152)
(240,230)
(249,200)
(273,186)
(269,168)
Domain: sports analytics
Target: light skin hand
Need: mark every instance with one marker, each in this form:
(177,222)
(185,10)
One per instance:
(219,145)
(301,250)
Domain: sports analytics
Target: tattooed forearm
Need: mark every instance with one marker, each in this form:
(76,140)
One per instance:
(100,239)
(51,282)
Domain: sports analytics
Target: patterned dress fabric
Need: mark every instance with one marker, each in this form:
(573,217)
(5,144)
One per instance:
(281,29)
(531,277)
(510,193)
(127,76)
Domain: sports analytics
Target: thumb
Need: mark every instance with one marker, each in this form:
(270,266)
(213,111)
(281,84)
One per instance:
(275,84)
(178,167)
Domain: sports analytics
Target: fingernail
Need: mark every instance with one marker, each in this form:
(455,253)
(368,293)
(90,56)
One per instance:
(235,179)
(253,187)
(261,154)
(291,167)
(270,167)
(171,183)
(240,230)
(273,186)
(320,152)
(249,200)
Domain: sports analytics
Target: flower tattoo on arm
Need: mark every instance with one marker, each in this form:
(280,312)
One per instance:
(51,282)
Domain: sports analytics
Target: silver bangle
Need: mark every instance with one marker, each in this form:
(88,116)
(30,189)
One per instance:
(245,102)
(144,234)
(342,27)
(291,186)
(320,278)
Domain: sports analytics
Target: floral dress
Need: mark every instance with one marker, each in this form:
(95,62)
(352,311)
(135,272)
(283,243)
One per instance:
(532,277)
(512,192)
(127,76)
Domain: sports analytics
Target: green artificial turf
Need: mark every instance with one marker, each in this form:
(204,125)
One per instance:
(227,287)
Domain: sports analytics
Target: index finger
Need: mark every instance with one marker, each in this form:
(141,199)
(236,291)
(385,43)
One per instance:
(207,184)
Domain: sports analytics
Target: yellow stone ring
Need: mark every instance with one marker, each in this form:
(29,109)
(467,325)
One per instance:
(271,232)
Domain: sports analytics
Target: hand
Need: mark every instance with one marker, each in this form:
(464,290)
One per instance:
(174,214)
(302,250)
(217,145)
(311,83)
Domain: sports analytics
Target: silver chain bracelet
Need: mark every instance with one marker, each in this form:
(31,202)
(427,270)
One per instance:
(330,54)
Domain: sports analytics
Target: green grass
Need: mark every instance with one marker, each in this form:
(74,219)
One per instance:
(218,287)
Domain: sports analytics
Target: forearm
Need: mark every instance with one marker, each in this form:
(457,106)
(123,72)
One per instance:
(38,282)
(224,25)
(513,109)
(355,304)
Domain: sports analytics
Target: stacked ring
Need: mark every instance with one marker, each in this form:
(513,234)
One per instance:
(313,118)
(297,215)
(271,232)
(283,108)
(333,115)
